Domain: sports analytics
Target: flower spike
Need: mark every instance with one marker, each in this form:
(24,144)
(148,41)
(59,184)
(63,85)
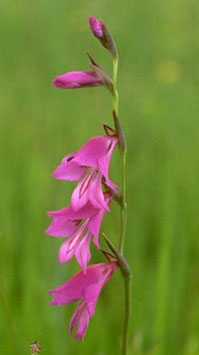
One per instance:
(80,222)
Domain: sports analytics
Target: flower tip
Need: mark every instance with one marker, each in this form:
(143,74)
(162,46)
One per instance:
(96,27)
(53,303)
(91,19)
(61,259)
(54,83)
(78,336)
(65,81)
(49,213)
(46,231)
(55,174)
(57,83)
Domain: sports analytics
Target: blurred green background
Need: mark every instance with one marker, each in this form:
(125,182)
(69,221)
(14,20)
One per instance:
(158,43)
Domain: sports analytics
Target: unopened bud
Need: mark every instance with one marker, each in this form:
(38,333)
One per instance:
(77,79)
(101,32)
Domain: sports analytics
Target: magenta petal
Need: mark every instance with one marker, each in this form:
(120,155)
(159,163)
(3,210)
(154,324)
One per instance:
(92,291)
(94,225)
(87,211)
(80,319)
(83,325)
(80,194)
(96,195)
(61,212)
(77,79)
(69,169)
(77,314)
(67,250)
(61,226)
(95,221)
(82,251)
(74,288)
(104,162)
(93,150)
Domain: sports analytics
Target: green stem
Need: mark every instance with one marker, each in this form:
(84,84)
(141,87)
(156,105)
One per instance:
(123,150)
(127,287)
(115,94)
(123,204)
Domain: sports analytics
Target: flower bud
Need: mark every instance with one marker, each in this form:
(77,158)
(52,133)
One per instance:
(101,32)
(77,79)
(96,27)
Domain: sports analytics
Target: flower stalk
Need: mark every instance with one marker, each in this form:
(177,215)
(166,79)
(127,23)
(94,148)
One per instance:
(80,221)
(125,269)
(115,92)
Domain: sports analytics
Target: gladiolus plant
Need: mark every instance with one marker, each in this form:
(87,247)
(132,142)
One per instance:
(79,223)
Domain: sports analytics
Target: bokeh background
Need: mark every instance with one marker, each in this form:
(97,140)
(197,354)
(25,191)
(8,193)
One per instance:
(158,43)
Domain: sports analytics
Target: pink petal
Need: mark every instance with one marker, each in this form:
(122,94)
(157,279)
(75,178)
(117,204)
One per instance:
(94,225)
(104,162)
(80,319)
(82,251)
(92,291)
(61,226)
(66,250)
(69,169)
(80,195)
(96,195)
(77,314)
(83,325)
(92,150)
(87,211)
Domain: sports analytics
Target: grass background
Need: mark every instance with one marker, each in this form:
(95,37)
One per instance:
(158,82)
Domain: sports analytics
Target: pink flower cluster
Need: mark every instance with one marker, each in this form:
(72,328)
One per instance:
(80,222)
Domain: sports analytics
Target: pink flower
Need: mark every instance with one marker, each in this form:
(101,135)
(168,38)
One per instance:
(96,27)
(88,166)
(77,79)
(79,226)
(86,289)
